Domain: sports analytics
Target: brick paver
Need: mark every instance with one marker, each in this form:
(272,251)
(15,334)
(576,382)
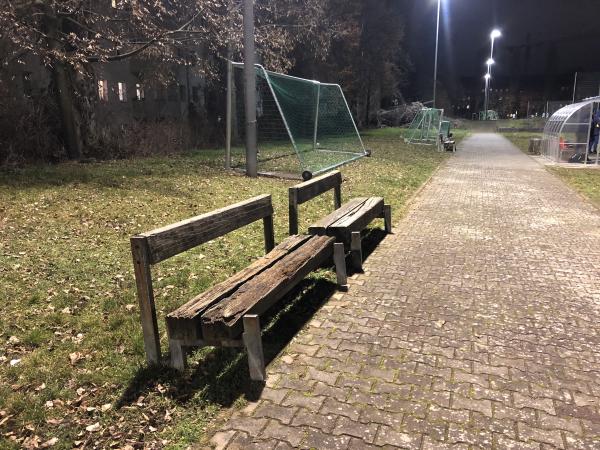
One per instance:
(477,325)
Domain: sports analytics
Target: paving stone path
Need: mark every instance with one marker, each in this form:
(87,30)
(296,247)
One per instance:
(477,325)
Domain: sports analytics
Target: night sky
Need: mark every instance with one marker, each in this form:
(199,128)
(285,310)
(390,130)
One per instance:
(563,37)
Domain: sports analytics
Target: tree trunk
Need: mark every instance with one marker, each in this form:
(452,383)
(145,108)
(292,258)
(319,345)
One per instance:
(62,78)
(368,101)
(64,96)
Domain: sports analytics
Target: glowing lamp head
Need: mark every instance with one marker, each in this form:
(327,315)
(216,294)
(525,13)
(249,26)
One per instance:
(487,76)
(490,61)
(495,34)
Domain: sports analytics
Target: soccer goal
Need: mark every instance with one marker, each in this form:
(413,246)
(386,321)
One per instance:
(425,127)
(304,127)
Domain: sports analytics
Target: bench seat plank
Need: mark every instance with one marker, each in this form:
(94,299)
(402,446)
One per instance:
(352,216)
(320,227)
(181,323)
(224,319)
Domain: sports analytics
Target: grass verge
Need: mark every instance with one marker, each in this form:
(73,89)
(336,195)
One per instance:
(521,139)
(584,181)
(72,370)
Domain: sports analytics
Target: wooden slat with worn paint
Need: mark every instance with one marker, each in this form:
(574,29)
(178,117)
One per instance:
(350,207)
(184,322)
(310,189)
(181,236)
(224,319)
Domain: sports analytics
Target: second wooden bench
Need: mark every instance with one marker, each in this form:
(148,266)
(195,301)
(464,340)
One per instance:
(347,221)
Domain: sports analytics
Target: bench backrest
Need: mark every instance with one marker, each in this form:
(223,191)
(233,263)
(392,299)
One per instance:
(308,190)
(163,243)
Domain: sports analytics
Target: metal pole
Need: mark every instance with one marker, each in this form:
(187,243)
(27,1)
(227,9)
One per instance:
(250,89)
(317,117)
(437,44)
(229,114)
(574,88)
(485,100)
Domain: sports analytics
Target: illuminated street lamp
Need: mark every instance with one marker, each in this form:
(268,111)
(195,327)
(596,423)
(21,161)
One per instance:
(487,78)
(437,45)
(495,34)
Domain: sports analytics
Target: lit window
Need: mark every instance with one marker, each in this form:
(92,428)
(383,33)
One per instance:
(122,91)
(139,92)
(103,90)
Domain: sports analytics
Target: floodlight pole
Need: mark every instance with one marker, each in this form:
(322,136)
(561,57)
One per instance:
(574,87)
(250,90)
(495,34)
(229,111)
(437,45)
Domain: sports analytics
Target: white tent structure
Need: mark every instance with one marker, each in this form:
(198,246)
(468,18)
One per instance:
(567,133)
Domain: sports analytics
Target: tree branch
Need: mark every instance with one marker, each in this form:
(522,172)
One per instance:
(144,46)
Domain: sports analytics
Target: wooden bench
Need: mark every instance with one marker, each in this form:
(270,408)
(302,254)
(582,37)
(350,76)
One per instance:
(227,314)
(446,137)
(347,221)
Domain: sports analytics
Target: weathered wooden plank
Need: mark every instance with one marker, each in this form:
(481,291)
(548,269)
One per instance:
(310,189)
(293,211)
(349,208)
(181,236)
(253,342)
(184,322)
(339,259)
(337,196)
(356,250)
(269,232)
(358,219)
(387,217)
(145,294)
(224,319)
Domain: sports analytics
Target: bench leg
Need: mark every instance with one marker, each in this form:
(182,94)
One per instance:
(253,343)
(356,250)
(177,353)
(387,217)
(339,258)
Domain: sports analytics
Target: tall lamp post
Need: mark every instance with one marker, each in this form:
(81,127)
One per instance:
(495,34)
(487,78)
(437,45)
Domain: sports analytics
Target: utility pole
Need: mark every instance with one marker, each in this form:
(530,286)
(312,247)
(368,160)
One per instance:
(574,87)
(437,44)
(250,89)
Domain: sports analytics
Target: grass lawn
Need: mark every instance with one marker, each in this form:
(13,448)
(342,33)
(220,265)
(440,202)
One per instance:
(521,138)
(585,181)
(72,365)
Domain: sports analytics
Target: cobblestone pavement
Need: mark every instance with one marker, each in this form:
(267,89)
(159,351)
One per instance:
(477,325)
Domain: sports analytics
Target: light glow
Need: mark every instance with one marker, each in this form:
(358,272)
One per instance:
(490,61)
(495,34)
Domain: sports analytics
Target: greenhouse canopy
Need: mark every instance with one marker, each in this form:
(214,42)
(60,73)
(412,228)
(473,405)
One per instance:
(567,133)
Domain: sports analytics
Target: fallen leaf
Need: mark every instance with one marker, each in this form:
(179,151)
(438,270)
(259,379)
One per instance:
(93,428)
(106,407)
(49,443)
(6,419)
(75,357)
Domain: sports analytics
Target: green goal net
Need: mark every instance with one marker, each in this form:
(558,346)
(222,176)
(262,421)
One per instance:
(425,127)
(303,126)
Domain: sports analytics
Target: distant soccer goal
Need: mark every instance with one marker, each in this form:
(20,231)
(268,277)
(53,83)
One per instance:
(304,127)
(425,127)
